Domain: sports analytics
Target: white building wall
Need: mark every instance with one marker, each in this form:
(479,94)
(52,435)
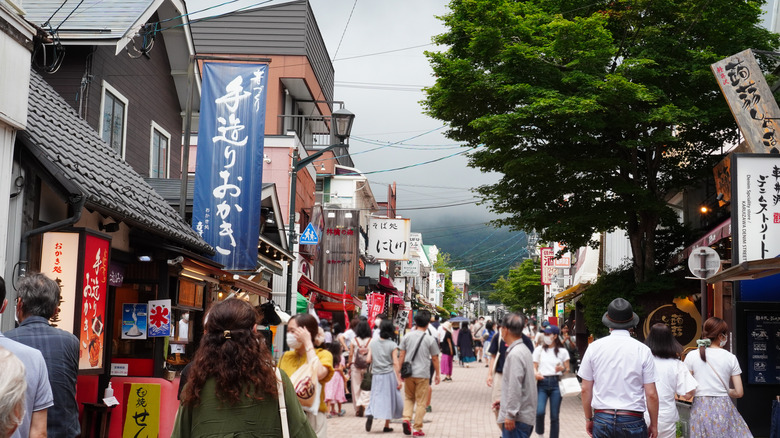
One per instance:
(617,250)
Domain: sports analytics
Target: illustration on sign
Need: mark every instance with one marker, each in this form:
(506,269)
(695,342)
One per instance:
(159,318)
(133,321)
(309,236)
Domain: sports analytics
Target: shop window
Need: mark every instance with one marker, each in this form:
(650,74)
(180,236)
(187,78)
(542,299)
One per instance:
(130,343)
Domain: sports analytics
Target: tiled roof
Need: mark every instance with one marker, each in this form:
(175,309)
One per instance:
(92,19)
(56,133)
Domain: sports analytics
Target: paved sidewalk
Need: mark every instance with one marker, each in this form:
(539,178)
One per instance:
(461,409)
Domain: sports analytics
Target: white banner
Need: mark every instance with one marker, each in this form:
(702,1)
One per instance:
(388,239)
(410,268)
(565,260)
(59,261)
(757,206)
(415,243)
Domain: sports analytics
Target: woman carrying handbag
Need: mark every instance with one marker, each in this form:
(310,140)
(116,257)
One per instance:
(233,386)
(712,413)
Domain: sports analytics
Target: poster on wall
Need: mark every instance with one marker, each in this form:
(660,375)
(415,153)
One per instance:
(134,320)
(60,262)
(142,410)
(756,206)
(159,321)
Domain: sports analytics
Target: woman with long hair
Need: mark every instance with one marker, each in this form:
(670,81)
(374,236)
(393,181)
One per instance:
(305,338)
(447,351)
(672,377)
(466,345)
(359,359)
(551,360)
(712,412)
(386,400)
(232,385)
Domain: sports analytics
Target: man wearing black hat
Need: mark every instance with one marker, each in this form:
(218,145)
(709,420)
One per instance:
(618,380)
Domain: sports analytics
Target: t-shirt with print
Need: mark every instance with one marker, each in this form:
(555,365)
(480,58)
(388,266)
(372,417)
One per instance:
(382,355)
(421,365)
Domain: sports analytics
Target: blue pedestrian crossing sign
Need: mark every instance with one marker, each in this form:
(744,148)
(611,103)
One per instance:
(309,236)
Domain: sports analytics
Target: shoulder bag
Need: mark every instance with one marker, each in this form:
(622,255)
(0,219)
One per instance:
(365,384)
(282,405)
(406,367)
(719,378)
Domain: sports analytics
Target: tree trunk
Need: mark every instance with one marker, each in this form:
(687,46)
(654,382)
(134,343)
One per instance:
(641,231)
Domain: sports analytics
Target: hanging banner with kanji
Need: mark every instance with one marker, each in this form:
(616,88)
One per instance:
(229,172)
(60,262)
(159,318)
(94,289)
(142,410)
(376,305)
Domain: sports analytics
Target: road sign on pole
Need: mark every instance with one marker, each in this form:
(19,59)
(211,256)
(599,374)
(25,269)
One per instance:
(309,236)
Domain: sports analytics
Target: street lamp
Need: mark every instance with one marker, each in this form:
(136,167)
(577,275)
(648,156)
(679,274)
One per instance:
(341,125)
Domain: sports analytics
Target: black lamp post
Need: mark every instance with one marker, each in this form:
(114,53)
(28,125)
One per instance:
(341,125)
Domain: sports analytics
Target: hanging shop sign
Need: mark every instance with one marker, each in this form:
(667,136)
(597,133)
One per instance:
(388,239)
(142,410)
(228,179)
(78,261)
(415,243)
(376,306)
(682,317)
(134,320)
(546,257)
(565,260)
(159,318)
(750,100)
(756,206)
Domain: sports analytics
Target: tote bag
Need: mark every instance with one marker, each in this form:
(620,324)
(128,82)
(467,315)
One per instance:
(307,387)
(569,387)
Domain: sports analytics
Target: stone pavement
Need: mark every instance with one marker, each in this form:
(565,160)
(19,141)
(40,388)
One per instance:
(461,409)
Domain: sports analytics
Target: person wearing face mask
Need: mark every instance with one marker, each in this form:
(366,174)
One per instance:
(714,368)
(551,360)
(303,335)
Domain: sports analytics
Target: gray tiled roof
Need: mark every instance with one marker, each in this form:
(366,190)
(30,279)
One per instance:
(56,133)
(92,19)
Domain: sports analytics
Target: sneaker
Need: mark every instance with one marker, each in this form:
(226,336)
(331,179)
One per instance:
(418,433)
(359,411)
(428,409)
(369,422)
(407,427)
(341,414)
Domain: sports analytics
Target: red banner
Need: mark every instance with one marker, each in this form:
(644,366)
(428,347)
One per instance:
(376,305)
(546,257)
(93,303)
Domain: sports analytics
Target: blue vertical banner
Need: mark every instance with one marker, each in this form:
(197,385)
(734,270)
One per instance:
(228,176)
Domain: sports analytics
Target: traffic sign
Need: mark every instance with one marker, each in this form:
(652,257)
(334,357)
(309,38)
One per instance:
(711,260)
(309,236)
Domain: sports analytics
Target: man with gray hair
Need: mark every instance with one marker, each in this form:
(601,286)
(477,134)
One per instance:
(38,300)
(38,397)
(517,408)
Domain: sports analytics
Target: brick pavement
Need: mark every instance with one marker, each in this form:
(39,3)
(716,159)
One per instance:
(461,409)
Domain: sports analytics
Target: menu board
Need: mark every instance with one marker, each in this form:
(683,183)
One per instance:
(763,347)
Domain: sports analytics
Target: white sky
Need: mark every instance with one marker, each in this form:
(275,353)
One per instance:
(379,89)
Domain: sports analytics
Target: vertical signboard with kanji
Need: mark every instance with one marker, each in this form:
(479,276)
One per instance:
(60,262)
(228,176)
(546,257)
(376,306)
(94,289)
(388,239)
(756,206)
(159,318)
(142,410)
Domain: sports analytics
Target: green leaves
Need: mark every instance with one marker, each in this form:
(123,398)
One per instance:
(521,291)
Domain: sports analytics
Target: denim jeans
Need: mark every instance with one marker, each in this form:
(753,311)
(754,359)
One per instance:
(521,430)
(547,388)
(618,426)
(774,432)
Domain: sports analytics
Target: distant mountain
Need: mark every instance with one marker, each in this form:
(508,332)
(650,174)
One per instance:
(486,252)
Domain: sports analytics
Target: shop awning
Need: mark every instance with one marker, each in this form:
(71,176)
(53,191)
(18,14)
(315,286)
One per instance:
(718,233)
(394,299)
(571,293)
(336,307)
(307,287)
(749,270)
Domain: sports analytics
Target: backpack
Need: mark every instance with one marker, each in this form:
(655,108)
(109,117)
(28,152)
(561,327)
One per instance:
(361,356)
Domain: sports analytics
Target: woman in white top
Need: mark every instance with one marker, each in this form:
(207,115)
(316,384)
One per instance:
(672,377)
(712,413)
(551,360)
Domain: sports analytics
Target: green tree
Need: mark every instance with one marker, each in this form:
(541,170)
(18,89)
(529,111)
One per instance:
(522,290)
(593,112)
(450,297)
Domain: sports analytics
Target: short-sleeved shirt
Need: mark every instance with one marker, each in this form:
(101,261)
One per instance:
(500,347)
(619,366)
(421,365)
(547,360)
(724,363)
(60,350)
(38,395)
(673,378)
(382,355)
(349,335)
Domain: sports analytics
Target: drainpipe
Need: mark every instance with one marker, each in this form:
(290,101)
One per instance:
(77,200)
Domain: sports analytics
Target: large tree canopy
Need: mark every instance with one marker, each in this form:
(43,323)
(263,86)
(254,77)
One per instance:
(592,112)
(521,291)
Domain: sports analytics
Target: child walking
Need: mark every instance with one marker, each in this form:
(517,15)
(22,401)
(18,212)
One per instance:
(334,389)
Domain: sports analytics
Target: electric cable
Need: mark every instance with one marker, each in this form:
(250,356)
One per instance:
(345,30)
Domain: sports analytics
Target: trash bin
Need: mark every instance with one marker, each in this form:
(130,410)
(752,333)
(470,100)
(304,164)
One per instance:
(684,410)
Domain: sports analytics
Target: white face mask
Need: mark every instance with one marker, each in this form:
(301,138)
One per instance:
(292,341)
(548,340)
(723,342)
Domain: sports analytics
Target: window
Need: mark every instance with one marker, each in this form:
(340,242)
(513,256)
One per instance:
(113,120)
(159,159)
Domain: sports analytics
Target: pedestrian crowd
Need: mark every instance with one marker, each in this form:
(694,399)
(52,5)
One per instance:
(232,387)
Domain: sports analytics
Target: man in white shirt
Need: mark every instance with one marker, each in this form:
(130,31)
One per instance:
(618,380)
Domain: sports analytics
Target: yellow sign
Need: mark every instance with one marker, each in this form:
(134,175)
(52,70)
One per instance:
(142,410)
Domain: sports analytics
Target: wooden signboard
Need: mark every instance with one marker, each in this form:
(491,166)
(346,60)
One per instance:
(750,100)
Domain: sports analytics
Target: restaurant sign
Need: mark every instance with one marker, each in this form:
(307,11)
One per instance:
(756,206)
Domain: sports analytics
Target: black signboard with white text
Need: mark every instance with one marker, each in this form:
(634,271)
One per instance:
(763,347)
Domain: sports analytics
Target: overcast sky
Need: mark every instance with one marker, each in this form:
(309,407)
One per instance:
(384,92)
